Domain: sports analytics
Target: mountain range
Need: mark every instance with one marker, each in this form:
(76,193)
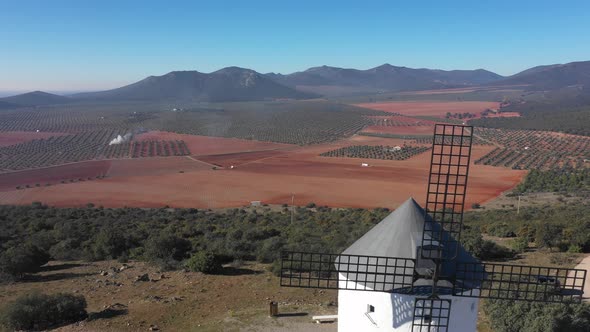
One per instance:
(551,77)
(332,80)
(227,84)
(240,84)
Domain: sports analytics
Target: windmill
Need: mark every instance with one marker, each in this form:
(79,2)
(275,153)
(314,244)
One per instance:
(409,272)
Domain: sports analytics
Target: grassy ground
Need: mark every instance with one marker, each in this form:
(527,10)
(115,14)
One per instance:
(179,301)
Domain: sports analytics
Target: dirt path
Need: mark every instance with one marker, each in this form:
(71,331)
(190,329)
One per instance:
(585,265)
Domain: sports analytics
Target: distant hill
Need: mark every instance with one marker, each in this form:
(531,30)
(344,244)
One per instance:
(552,77)
(228,84)
(6,105)
(35,98)
(382,78)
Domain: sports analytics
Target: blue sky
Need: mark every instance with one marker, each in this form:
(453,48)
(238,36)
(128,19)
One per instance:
(84,45)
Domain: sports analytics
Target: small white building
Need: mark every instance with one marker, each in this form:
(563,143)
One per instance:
(390,308)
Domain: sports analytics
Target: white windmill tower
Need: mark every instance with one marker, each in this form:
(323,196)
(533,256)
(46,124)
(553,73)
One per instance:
(409,272)
(390,308)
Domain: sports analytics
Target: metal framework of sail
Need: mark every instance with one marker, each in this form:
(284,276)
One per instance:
(445,203)
(447,186)
(431,315)
(352,272)
(520,282)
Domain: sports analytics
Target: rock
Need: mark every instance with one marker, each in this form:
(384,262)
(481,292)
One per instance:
(154,328)
(104,273)
(143,277)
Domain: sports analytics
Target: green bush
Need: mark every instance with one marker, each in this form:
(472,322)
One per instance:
(204,261)
(520,244)
(574,248)
(18,261)
(166,250)
(37,311)
(108,244)
(509,316)
(473,242)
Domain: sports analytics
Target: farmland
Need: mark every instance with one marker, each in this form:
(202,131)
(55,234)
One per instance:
(529,149)
(377,152)
(184,158)
(271,176)
(91,145)
(438,109)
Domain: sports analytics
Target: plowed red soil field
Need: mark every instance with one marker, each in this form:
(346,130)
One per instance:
(15,137)
(270,177)
(414,108)
(239,158)
(54,175)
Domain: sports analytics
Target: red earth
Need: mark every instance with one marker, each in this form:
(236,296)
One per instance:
(239,158)
(16,137)
(270,177)
(433,108)
(54,175)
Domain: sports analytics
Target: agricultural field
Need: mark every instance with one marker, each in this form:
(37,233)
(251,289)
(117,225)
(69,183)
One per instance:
(16,137)
(530,149)
(226,155)
(377,152)
(299,123)
(270,176)
(398,121)
(44,177)
(91,145)
(430,108)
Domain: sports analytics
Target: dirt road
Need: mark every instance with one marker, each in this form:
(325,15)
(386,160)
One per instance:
(585,265)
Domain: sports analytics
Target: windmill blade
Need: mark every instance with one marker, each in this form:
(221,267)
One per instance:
(447,185)
(431,315)
(519,282)
(349,272)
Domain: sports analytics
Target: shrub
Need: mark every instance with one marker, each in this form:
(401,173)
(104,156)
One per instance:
(166,250)
(508,316)
(520,244)
(473,242)
(475,206)
(108,244)
(37,311)
(204,261)
(310,205)
(18,261)
(574,248)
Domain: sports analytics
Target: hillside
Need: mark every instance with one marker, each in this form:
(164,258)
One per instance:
(551,77)
(6,105)
(334,80)
(35,98)
(228,84)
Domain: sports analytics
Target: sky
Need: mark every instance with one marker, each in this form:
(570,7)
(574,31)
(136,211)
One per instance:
(93,45)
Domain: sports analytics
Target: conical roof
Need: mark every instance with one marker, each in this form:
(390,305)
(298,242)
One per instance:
(398,235)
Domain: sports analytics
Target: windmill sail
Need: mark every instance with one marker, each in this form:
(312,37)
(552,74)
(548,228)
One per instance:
(431,315)
(351,272)
(520,282)
(447,186)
